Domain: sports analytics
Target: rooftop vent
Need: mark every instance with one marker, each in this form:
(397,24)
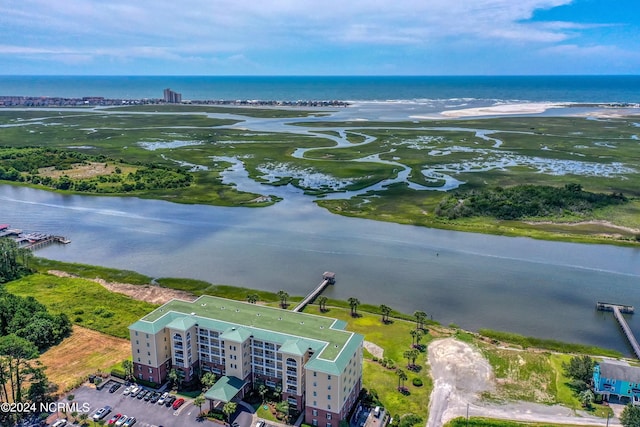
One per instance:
(222,308)
(279,318)
(258,314)
(237,310)
(204,304)
(193,313)
(302,323)
(321,327)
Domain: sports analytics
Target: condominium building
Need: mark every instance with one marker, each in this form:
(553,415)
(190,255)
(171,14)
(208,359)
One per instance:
(172,97)
(316,363)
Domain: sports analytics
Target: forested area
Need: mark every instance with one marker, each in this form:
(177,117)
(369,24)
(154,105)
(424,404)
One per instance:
(26,330)
(26,165)
(526,201)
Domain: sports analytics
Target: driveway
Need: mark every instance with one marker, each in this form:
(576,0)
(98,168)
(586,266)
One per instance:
(147,414)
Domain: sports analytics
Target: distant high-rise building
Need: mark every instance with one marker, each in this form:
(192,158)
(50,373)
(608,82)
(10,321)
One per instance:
(172,97)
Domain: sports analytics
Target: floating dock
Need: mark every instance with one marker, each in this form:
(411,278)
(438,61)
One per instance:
(617,310)
(328,278)
(31,241)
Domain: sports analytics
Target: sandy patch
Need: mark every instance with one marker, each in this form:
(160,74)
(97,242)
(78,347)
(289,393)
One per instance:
(500,110)
(374,349)
(153,294)
(81,171)
(461,373)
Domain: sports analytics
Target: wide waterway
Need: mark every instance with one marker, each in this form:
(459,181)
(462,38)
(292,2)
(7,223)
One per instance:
(545,289)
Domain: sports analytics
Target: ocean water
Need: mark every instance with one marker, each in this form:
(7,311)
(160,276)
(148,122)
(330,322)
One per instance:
(417,89)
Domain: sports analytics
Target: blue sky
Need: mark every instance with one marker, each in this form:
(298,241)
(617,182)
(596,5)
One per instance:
(319,37)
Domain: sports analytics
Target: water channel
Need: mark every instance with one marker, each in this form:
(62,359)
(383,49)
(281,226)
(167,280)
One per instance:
(546,289)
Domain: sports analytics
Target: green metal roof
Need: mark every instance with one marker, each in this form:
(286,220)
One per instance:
(182,323)
(235,334)
(332,345)
(225,389)
(296,347)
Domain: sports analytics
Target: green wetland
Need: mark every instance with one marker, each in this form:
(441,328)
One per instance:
(413,172)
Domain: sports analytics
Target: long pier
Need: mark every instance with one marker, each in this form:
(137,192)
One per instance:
(45,242)
(328,278)
(617,312)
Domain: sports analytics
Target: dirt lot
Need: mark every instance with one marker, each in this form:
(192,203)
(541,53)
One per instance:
(80,171)
(461,373)
(83,353)
(149,293)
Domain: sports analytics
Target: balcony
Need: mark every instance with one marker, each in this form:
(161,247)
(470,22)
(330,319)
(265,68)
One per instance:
(294,383)
(292,372)
(292,364)
(178,346)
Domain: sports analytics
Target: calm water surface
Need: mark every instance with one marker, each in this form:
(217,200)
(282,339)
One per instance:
(545,289)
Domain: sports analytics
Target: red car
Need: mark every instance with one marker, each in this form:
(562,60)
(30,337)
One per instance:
(114,419)
(178,403)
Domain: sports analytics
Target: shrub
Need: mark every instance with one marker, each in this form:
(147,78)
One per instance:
(417,382)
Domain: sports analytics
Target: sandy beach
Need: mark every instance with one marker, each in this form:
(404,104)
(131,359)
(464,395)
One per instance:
(503,109)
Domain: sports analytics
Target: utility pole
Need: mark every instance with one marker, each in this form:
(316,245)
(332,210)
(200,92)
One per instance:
(468,416)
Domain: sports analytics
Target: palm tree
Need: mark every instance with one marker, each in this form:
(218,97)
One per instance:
(323,303)
(199,401)
(418,337)
(354,303)
(127,366)
(229,409)
(262,391)
(413,355)
(414,333)
(252,298)
(207,381)
(407,355)
(402,377)
(283,298)
(421,317)
(385,310)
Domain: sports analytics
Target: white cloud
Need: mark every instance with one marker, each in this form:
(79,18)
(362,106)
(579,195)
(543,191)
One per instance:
(193,29)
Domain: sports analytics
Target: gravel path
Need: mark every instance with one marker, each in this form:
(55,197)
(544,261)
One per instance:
(460,373)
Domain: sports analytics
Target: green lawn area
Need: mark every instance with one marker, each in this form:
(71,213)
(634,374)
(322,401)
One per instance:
(395,339)
(488,422)
(86,303)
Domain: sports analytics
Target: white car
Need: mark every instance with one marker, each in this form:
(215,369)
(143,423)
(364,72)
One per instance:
(127,390)
(121,421)
(61,422)
(134,391)
(101,413)
(163,398)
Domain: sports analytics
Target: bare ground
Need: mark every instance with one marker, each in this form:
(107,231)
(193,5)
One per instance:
(150,293)
(84,352)
(461,373)
(374,349)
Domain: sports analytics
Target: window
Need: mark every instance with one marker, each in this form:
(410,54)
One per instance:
(329,416)
(328,406)
(150,371)
(329,377)
(147,344)
(314,422)
(138,351)
(137,342)
(136,333)
(315,394)
(328,424)
(148,353)
(315,384)
(314,412)
(329,387)
(147,336)
(315,374)
(328,397)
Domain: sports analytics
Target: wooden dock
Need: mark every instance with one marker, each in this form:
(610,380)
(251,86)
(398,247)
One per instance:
(46,242)
(328,278)
(617,310)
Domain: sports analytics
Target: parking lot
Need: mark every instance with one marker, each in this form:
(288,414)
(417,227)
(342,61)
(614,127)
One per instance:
(146,413)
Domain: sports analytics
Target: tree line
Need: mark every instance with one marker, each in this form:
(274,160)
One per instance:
(26,330)
(24,164)
(525,201)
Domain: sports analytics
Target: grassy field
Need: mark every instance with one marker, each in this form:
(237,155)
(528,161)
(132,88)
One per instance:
(487,422)
(84,352)
(602,155)
(86,303)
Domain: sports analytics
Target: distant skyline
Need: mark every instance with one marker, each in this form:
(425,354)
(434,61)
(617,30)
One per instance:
(319,37)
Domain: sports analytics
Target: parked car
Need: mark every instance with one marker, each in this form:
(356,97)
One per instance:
(60,423)
(169,401)
(163,398)
(121,421)
(178,403)
(114,419)
(130,421)
(114,387)
(141,394)
(101,413)
(147,397)
(155,397)
(260,423)
(134,391)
